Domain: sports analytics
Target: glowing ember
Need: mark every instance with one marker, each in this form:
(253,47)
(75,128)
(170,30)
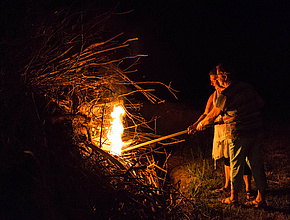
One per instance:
(116,130)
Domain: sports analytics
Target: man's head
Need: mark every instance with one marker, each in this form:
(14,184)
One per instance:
(213,79)
(223,75)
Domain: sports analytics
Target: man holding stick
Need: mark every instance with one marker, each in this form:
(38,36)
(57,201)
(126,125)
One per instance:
(239,105)
(220,147)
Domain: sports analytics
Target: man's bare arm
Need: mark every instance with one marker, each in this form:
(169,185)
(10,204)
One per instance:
(209,119)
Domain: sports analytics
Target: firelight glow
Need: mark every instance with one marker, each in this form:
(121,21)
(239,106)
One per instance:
(116,130)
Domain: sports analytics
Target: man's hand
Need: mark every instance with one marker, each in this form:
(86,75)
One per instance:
(191,129)
(200,127)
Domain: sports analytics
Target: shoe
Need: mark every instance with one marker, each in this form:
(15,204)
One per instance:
(250,195)
(229,201)
(220,190)
(256,204)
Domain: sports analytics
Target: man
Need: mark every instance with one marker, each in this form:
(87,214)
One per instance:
(220,146)
(239,106)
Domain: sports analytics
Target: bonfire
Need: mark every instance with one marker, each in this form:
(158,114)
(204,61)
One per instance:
(85,79)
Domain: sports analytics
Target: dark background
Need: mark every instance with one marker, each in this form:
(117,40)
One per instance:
(185,39)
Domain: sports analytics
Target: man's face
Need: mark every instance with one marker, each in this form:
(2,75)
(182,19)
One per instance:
(214,82)
(220,77)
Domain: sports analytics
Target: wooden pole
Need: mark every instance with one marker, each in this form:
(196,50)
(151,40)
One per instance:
(156,140)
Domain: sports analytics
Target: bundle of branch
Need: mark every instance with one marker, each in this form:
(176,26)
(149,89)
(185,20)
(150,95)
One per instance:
(83,76)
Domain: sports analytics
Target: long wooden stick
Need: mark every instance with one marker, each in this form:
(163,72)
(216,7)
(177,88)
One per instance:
(163,138)
(156,140)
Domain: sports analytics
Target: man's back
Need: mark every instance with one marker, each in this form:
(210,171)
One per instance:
(241,106)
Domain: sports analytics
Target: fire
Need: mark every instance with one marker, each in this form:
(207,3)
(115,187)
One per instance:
(105,132)
(116,130)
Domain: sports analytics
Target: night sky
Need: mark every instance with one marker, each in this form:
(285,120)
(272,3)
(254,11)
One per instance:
(185,39)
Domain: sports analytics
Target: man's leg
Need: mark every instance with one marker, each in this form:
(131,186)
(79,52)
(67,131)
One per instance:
(237,161)
(257,166)
(247,180)
(227,173)
(227,176)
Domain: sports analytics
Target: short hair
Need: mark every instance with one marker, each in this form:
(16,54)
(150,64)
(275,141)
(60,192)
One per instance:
(225,68)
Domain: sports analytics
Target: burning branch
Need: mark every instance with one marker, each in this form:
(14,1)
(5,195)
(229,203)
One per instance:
(80,75)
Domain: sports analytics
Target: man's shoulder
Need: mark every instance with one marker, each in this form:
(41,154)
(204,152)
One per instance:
(213,94)
(211,97)
(241,84)
(238,86)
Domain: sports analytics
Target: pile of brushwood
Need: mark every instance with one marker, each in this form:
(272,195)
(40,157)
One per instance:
(55,112)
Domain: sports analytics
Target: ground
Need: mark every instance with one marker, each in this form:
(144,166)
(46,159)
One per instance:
(194,177)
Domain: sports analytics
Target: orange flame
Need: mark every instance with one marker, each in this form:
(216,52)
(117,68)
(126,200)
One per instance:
(116,130)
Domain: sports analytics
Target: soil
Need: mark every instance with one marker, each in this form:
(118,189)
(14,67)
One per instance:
(178,176)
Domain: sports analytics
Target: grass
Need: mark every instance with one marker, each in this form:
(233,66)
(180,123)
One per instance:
(203,178)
